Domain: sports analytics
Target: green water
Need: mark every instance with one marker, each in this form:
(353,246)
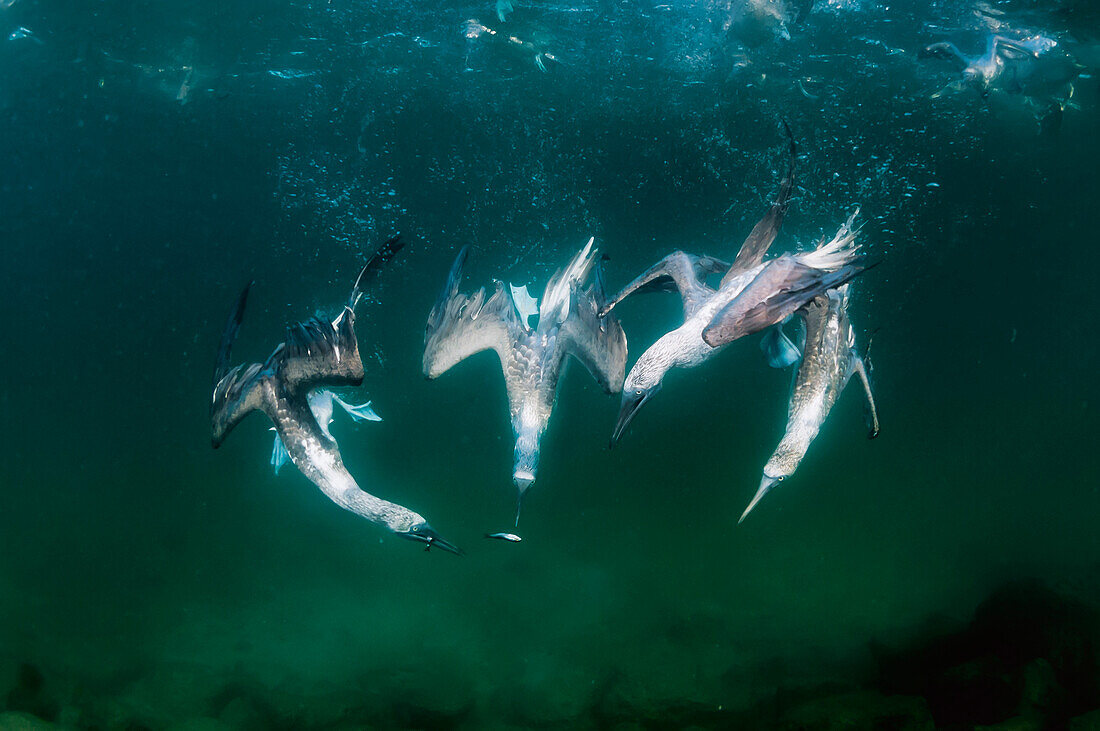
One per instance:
(152,580)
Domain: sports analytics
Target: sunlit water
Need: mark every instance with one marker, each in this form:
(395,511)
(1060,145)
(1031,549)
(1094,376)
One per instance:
(155,157)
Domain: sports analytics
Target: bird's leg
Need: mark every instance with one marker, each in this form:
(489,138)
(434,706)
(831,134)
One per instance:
(872,413)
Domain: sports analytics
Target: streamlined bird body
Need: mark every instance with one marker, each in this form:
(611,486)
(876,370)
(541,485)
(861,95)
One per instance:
(751,296)
(289,387)
(531,358)
(829,361)
(1007,64)
(748,302)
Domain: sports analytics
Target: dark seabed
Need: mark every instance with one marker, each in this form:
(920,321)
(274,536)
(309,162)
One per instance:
(156,156)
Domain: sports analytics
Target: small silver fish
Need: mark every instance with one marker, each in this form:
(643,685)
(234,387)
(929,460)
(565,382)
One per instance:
(20,33)
(504,537)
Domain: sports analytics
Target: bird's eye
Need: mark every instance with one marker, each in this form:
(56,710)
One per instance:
(780,478)
(639,391)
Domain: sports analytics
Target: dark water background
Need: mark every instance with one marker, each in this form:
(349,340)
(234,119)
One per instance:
(152,580)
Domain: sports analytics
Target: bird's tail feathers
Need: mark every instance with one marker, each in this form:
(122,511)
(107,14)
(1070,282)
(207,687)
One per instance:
(556,300)
(841,250)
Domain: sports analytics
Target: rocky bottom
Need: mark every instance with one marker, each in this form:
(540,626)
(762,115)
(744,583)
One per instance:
(1027,660)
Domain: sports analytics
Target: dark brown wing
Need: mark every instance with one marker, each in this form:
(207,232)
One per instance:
(236,395)
(764,232)
(778,291)
(321,353)
(370,270)
(318,353)
(229,335)
(236,390)
(683,272)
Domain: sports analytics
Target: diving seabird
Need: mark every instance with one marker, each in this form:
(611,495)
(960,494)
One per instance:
(531,357)
(289,387)
(829,361)
(752,295)
(474,29)
(990,68)
(322,403)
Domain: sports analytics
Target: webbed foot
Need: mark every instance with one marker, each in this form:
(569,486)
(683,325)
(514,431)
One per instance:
(778,349)
(279,455)
(362,412)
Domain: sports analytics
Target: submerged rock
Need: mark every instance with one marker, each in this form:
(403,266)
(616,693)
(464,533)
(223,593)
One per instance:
(1087,722)
(624,700)
(29,694)
(1042,693)
(545,691)
(246,714)
(857,709)
(984,690)
(17,721)
(202,724)
(1016,723)
(1028,659)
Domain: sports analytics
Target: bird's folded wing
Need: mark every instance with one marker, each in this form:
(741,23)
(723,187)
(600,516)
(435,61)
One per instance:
(318,353)
(599,343)
(684,272)
(760,239)
(461,325)
(779,290)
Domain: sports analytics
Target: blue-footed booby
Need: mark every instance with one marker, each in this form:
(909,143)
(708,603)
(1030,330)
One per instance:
(290,387)
(531,357)
(828,362)
(752,295)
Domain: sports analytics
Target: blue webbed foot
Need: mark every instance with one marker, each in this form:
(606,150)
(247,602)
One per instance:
(778,349)
(362,412)
(279,455)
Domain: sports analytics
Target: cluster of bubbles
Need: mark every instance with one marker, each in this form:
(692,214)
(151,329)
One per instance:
(523,128)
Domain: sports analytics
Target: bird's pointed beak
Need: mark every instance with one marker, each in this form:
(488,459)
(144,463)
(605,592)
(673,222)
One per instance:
(426,534)
(523,480)
(632,402)
(766,485)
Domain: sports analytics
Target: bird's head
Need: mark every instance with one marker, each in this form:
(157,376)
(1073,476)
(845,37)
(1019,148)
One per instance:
(641,383)
(424,533)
